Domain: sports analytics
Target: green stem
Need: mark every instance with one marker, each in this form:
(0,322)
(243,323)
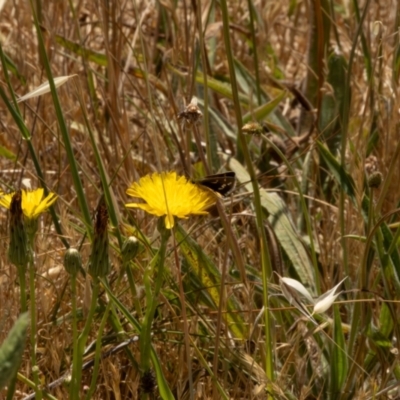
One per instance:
(152,300)
(22,288)
(74,327)
(11,388)
(132,286)
(35,369)
(243,153)
(78,360)
(23,379)
(97,355)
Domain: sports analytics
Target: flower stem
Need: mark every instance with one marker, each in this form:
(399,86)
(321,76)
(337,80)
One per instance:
(152,300)
(97,355)
(80,345)
(22,289)
(132,286)
(35,369)
(74,329)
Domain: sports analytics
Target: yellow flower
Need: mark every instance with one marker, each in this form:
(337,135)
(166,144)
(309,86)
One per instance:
(33,203)
(170,195)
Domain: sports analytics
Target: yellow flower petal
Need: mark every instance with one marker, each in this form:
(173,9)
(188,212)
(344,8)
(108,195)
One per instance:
(33,203)
(5,200)
(171,195)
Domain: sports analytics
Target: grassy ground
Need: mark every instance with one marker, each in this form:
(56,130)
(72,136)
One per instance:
(300,99)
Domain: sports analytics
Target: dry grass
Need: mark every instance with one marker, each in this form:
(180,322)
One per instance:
(128,94)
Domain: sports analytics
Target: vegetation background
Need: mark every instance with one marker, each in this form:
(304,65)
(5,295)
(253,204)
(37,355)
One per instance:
(301,100)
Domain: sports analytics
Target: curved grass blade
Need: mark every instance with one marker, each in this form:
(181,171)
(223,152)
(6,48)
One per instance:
(13,69)
(165,391)
(332,103)
(208,276)
(339,364)
(394,255)
(264,110)
(18,119)
(249,86)
(101,59)
(219,120)
(63,129)
(76,48)
(280,221)
(342,177)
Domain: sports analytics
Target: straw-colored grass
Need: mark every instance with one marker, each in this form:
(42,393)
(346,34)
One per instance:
(221,326)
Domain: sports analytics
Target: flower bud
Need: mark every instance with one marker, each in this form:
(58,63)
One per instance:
(375,179)
(99,265)
(72,261)
(129,249)
(18,251)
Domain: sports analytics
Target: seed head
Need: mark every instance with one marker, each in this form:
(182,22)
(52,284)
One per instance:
(99,265)
(18,251)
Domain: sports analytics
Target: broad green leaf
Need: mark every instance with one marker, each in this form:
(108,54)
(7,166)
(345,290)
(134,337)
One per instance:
(281,223)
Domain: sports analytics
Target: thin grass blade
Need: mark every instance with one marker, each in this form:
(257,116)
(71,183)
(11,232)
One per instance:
(210,278)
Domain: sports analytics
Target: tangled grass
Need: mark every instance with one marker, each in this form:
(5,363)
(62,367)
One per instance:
(300,99)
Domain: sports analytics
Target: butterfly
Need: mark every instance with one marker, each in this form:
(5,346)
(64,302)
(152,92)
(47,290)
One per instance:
(220,183)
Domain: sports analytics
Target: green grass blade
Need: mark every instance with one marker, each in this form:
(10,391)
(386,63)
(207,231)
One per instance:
(244,154)
(5,153)
(87,54)
(165,391)
(18,119)
(12,349)
(332,103)
(210,278)
(220,122)
(283,227)
(343,178)
(339,364)
(109,195)
(388,243)
(63,129)
(13,69)
(264,110)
